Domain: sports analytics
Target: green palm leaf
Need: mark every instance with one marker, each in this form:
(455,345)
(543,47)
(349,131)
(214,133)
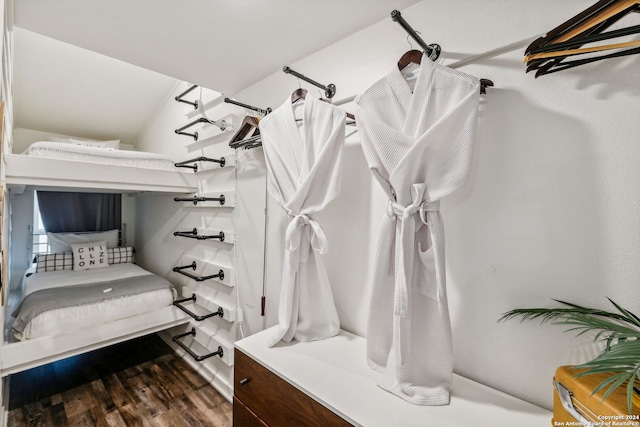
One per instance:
(620,330)
(623,358)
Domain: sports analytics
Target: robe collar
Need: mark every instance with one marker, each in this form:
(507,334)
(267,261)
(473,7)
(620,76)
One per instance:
(413,103)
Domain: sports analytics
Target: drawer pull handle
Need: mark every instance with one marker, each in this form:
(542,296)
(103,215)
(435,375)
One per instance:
(244,381)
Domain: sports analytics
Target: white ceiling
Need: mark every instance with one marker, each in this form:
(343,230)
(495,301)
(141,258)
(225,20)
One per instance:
(225,45)
(63,89)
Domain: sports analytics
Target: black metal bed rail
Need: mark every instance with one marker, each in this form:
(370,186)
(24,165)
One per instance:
(248,107)
(221,124)
(193,266)
(221,161)
(329,90)
(177,303)
(185,93)
(197,357)
(197,199)
(193,234)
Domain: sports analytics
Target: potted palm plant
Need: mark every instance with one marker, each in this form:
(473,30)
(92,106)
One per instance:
(620,331)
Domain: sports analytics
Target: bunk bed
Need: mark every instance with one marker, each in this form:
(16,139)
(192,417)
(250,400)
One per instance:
(69,308)
(65,166)
(57,334)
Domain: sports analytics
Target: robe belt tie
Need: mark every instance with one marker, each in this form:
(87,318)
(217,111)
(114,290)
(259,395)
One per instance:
(404,272)
(300,225)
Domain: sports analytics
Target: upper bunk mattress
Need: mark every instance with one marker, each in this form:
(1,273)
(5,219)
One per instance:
(82,153)
(63,166)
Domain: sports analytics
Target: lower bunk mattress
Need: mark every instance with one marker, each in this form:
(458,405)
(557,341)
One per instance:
(56,302)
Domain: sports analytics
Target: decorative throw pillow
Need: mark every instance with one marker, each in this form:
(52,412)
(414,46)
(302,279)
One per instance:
(90,255)
(54,262)
(120,255)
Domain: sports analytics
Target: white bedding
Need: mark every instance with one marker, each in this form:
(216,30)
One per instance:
(54,279)
(82,153)
(58,321)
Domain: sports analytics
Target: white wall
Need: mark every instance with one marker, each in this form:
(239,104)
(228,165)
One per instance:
(551,207)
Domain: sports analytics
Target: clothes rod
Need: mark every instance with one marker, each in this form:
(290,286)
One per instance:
(196,199)
(329,91)
(470,60)
(179,97)
(493,53)
(432,50)
(249,107)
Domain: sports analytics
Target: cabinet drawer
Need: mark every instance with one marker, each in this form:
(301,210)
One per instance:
(243,417)
(274,400)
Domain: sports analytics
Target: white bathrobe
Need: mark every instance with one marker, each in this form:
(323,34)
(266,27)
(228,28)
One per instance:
(304,164)
(418,145)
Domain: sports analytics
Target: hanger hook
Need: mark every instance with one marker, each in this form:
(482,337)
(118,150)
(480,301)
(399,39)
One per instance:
(409,41)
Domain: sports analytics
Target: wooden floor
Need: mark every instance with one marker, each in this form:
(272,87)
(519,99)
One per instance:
(137,383)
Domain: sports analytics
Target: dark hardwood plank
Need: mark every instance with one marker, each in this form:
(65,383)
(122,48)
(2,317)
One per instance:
(139,383)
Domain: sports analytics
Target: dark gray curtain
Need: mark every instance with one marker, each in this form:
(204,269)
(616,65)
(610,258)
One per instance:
(78,212)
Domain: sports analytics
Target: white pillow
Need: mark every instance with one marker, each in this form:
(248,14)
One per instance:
(61,242)
(113,144)
(90,255)
(52,138)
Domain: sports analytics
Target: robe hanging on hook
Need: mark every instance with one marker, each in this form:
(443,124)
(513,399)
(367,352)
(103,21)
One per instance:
(329,90)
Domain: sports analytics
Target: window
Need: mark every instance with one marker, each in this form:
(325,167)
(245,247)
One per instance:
(40,244)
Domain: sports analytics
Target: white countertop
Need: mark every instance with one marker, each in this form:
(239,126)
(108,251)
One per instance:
(334,372)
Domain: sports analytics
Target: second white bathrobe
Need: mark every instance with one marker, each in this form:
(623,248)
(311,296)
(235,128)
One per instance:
(417,136)
(304,164)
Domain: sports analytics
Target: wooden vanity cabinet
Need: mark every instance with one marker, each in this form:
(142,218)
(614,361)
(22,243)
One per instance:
(261,398)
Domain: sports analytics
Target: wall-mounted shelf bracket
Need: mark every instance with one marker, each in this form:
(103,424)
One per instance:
(197,357)
(185,93)
(177,303)
(221,161)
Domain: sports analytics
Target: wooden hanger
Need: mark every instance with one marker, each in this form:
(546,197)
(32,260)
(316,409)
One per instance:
(591,35)
(298,94)
(571,64)
(620,6)
(596,37)
(549,52)
(415,57)
(247,129)
(553,34)
(301,94)
(581,51)
(410,57)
